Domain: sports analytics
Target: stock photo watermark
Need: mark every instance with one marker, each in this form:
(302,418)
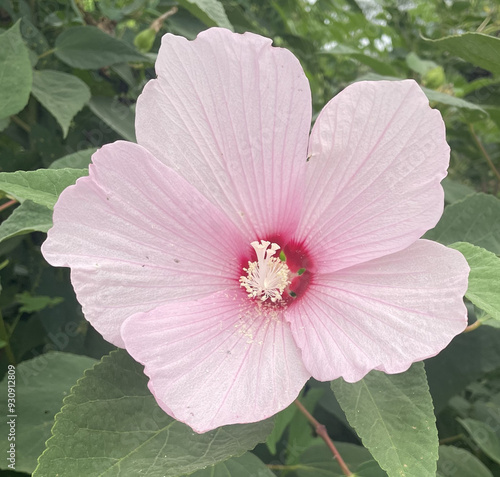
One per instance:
(11,417)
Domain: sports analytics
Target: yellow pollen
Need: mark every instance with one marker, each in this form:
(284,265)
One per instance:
(268,276)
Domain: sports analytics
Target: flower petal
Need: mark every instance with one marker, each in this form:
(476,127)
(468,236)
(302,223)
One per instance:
(232,115)
(136,235)
(220,360)
(377,155)
(384,314)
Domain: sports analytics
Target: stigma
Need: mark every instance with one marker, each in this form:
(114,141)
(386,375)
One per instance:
(268,277)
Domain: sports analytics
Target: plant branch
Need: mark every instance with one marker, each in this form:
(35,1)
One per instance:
(484,152)
(7,204)
(472,327)
(322,432)
(21,123)
(449,440)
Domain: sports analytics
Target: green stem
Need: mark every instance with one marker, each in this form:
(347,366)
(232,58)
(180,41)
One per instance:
(21,123)
(46,53)
(4,335)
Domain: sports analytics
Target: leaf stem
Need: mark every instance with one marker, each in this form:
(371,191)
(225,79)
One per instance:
(449,440)
(4,335)
(46,53)
(7,204)
(472,327)
(21,123)
(484,152)
(323,433)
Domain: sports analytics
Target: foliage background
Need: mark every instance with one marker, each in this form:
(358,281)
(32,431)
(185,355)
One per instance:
(70,74)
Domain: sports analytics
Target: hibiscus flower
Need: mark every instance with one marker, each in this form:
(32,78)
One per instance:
(235,256)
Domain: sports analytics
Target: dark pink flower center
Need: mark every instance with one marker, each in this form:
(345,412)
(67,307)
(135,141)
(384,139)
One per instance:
(276,275)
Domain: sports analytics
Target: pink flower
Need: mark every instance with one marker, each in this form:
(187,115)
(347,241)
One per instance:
(174,244)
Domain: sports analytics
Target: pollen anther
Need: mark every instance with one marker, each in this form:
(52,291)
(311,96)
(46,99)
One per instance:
(268,277)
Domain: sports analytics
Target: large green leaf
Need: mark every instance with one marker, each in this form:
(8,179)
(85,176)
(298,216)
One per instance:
(474,112)
(484,436)
(394,417)
(28,217)
(281,422)
(41,385)
(379,66)
(210,12)
(116,115)
(484,278)
(476,48)
(76,160)
(454,191)
(88,47)
(63,95)
(111,422)
(456,462)
(15,72)
(42,186)
(468,357)
(247,465)
(476,220)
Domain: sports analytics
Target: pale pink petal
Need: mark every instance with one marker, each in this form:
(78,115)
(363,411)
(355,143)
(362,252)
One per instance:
(232,114)
(384,314)
(136,235)
(220,360)
(377,156)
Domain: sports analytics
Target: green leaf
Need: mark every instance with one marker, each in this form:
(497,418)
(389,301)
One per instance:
(484,436)
(281,421)
(484,278)
(317,460)
(420,66)
(476,220)
(476,48)
(300,431)
(380,67)
(77,160)
(42,186)
(210,12)
(456,462)
(455,191)
(41,385)
(464,360)
(88,47)
(394,417)
(473,111)
(247,465)
(32,303)
(28,217)
(116,115)
(111,422)
(15,72)
(63,95)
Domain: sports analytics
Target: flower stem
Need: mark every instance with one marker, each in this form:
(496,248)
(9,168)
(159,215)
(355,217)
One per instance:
(322,432)
(7,204)
(484,152)
(472,327)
